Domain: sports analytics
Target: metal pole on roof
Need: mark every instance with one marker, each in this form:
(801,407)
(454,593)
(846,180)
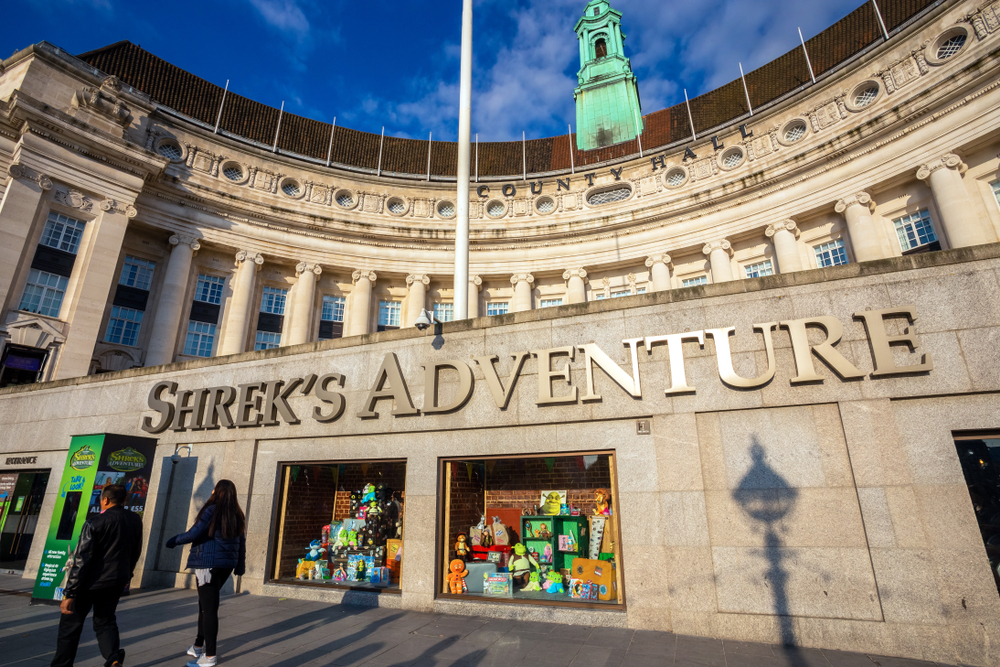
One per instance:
(524,154)
(687,102)
(329,151)
(277,130)
(745,89)
(638,131)
(430,143)
(381,143)
(806,51)
(885,33)
(461,291)
(218,118)
(572,162)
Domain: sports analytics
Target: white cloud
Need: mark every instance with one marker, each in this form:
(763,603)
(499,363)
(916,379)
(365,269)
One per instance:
(284,15)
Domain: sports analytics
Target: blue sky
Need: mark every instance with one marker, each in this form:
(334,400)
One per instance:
(396,62)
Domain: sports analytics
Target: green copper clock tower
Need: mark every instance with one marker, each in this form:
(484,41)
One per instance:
(607,97)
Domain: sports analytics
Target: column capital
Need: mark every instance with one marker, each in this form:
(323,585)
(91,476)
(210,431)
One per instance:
(949,161)
(784,225)
(190,241)
(307,267)
(28,174)
(522,278)
(423,279)
(249,256)
(857,199)
(364,273)
(476,282)
(114,206)
(575,273)
(662,258)
(722,244)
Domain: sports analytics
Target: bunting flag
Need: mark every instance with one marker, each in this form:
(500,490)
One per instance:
(589,461)
(490,465)
(295,473)
(468,470)
(364,469)
(580,463)
(550,463)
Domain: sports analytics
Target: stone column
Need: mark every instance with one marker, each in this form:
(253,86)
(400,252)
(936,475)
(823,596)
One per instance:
(857,211)
(576,285)
(302,305)
(522,283)
(958,216)
(361,303)
(417,301)
(238,311)
(475,286)
(719,254)
(786,247)
(173,296)
(659,266)
(25,189)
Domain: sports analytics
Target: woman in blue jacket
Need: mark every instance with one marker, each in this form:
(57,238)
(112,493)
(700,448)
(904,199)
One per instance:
(218,549)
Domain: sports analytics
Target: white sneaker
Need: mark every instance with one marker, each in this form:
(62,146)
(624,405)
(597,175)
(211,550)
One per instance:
(196,651)
(203,661)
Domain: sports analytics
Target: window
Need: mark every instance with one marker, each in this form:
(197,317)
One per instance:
(620,293)
(170,150)
(332,504)
(291,188)
(795,131)
(600,296)
(996,191)
(641,290)
(388,313)
(676,177)
(601,48)
(979,456)
(446,209)
(267,340)
(496,209)
(123,327)
(830,254)
(137,273)
(397,206)
(209,289)
(549,303)
(609,196)
(62,233)
(444,312)
(759,269)
(497,308)
(915,230)
(694,282)
(561,510)
(233,172)
(200,339)
(333,309)
(732,158)
(345,198)
(44,293)
(865,96)
(545,205)
(273,301)
(951,46)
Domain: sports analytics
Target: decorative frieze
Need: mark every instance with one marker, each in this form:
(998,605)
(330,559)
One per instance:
(74,199)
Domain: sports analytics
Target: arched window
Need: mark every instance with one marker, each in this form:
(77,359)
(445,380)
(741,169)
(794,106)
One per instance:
(601,48)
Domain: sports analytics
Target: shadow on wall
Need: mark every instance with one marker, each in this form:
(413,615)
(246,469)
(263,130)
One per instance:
(767,498)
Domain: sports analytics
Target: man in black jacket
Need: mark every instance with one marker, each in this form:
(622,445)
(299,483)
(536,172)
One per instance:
(106,555)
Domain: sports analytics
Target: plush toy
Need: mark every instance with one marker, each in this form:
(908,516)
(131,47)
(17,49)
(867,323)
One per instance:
(552,504)
(340,574)
(456,577)
(532,584)
(520,565)
(352,539)
(368,493)
(553,584)
(564,510)
(461,548)
(603,500)
(304,568)
(316,551)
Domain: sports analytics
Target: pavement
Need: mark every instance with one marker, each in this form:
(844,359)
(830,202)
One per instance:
(158,626)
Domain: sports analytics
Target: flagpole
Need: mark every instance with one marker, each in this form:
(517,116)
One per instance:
(464,149)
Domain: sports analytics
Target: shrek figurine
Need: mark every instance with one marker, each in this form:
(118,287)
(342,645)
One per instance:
(533,584)
(520,565)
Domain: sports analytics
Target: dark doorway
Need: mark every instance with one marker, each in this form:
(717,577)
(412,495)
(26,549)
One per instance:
(23,493)
(980,457)
(21,365)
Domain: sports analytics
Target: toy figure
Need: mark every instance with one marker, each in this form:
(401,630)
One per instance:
(552,504)
(352,539)
(340,574)
(325,537)
(368,493)
(520,565)
(361,569)
(553,584)
(564,510)
(543,533)
(547,554)
(532,584)
(603,500)
(461,548)
(304,568)
(456,577)
(355,502)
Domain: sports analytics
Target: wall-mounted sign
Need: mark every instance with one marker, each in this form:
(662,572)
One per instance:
(21,460)
(258,404)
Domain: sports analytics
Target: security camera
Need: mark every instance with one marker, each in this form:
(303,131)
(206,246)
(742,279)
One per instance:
(424,320)
(176,456)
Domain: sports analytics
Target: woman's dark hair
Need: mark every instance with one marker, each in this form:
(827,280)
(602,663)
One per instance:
(228,519)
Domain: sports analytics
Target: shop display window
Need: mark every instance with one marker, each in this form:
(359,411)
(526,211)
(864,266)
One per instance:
(340,524)
(536,530)
(980,458)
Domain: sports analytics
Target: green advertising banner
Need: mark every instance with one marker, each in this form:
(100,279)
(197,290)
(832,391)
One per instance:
(92,463)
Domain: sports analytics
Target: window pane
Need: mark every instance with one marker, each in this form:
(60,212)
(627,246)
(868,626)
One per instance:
(980,459)
(549,303)
(123,326)
(209,289)
(444,312)
(273,301)
(267,341)
(333,309)
(831,254)
(44,293)
(62,232)
(388,313)
(200,339)
(558,518)
(692,282)
(620,293)
(996,191)
(915,230)
(759,269)
(353,511)
(137,273)
(497,308)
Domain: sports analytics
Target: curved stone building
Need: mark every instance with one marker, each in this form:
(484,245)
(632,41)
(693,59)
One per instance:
(168,248)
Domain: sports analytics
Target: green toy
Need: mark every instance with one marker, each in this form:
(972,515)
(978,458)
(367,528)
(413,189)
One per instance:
(521,564)
(352,539)
(553,584)
(532,584)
